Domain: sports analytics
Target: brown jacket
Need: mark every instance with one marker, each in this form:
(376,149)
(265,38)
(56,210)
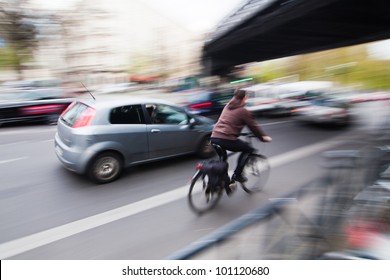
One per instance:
(233,119)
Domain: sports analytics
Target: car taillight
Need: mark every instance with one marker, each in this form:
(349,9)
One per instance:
(42,109)
(203,105)
(85,118)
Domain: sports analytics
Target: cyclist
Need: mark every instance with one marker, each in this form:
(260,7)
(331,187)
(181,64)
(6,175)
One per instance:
(233,119)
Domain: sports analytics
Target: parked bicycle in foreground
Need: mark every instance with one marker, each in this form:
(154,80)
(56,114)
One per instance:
(211,178)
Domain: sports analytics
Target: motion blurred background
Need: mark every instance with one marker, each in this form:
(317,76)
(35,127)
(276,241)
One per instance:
(65,50)
(102,43)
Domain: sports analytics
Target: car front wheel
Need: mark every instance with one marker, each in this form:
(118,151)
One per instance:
(105,168)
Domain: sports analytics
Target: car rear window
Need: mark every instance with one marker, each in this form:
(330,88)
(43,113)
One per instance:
(74,113)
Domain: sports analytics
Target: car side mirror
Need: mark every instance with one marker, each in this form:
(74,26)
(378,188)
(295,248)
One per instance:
(192,122)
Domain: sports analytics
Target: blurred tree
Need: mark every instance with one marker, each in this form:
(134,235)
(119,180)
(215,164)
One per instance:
(265,72)
(82,33)
(18,31)
(349,66)
(7,58)
(373,74)
(141,63)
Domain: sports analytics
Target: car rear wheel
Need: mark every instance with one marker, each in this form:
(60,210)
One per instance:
(105,168)
(205,149)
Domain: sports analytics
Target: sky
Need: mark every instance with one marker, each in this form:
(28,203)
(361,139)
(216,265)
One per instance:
(196,15)
(203,15)
(380,50)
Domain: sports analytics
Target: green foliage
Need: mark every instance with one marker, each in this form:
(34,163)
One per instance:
(267,73)
(7,58)
(17,29)
(348,66)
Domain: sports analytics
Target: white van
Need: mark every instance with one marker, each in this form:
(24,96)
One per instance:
(282,99)
(261,98)
(304,89)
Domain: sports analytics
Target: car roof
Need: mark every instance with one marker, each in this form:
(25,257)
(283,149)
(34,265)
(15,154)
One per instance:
(109,102)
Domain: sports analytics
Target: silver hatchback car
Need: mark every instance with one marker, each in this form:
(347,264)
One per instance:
(99,138)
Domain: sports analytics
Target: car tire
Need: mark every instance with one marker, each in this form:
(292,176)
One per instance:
(105,168)
(205,149)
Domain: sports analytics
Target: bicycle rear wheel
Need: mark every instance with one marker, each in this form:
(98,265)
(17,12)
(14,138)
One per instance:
(256,170)
(200,198)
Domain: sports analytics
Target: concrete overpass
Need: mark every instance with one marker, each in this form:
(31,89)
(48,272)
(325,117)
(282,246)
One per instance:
(261,30)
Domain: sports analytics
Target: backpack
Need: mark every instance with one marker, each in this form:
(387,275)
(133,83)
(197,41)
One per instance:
(217,172)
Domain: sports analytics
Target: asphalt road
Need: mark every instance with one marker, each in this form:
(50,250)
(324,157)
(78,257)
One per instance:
(47,212)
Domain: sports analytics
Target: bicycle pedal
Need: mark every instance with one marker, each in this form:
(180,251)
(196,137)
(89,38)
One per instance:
(233,185)
(231,188)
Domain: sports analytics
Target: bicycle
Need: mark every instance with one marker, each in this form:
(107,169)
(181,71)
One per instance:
(206,189)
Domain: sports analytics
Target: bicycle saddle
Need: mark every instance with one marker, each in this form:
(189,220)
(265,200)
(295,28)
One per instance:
(220,151)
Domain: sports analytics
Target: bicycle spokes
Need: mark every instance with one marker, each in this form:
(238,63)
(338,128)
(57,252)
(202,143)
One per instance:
(202,197)
(256,170)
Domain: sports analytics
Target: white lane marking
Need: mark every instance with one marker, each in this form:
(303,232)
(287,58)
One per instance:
(300,153)
(14,143)
(33,241)
(24,244)
(11,160)
(26,142)
(272,123)
(29,131)
(46,141)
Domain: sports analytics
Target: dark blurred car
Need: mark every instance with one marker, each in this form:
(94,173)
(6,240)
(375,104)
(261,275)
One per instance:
(209,103)
(324,111)
(33,105)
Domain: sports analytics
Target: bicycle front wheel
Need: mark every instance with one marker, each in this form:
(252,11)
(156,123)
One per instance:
(200,197)
(256,170)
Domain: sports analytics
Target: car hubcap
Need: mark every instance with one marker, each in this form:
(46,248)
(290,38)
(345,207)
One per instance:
(106,168)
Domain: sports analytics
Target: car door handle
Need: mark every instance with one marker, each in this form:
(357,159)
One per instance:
(155,131)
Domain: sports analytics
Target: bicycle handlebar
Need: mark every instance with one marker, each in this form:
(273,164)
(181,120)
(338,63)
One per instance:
(249,134)
(252,135)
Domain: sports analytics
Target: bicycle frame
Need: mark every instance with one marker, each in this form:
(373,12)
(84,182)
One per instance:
(257,168)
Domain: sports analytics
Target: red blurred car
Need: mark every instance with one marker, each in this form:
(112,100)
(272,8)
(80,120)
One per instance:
(33,105)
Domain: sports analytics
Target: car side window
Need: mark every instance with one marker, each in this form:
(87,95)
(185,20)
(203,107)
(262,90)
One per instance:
(130,114)
(165,114)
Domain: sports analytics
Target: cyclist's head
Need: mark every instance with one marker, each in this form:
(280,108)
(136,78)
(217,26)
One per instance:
(239,94)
